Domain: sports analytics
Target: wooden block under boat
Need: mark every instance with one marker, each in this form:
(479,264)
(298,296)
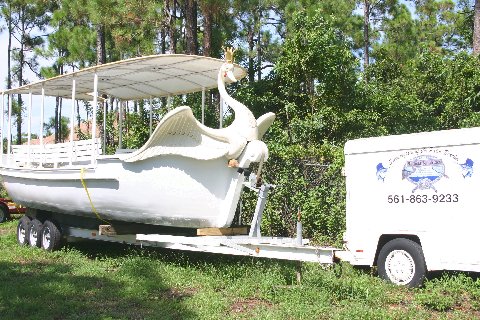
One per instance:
(107,230)
(222,231)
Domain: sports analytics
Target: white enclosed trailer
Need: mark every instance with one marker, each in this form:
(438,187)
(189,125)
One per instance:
(413,203)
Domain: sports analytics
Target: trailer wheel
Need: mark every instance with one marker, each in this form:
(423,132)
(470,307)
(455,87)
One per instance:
(401,262)
(4,213)
(34,232)
(22,230)
(51,236)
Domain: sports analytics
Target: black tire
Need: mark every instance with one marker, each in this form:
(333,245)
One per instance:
(34,233)
(4,213)
(22,230)
(51,236)
(401,262)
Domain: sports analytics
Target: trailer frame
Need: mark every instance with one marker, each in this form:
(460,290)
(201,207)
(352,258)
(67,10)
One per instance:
(253,244)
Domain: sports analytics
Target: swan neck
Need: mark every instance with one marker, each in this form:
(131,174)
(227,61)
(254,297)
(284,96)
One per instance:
(224,94)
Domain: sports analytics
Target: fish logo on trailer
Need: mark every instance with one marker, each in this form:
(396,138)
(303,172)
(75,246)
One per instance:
(424,171)
(467,168)
(381,172)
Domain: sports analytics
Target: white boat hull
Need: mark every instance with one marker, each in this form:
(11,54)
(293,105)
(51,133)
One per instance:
(167,190)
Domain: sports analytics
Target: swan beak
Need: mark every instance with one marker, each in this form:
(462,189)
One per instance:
(229,75)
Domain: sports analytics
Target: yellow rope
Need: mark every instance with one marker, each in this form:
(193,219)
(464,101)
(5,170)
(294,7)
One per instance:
(82,171)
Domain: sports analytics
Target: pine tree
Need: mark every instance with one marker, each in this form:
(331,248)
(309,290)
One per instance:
(28,18)
(476,28)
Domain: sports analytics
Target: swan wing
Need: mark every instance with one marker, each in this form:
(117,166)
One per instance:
(179,133)
(264,122)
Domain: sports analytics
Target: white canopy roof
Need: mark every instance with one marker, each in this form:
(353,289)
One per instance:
(137,78)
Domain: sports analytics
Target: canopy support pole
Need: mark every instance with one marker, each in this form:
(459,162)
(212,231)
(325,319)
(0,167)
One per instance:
(42,120)
(151,117)
(120,123)
(72,119)
(169,103)
(104,125)
(221,113)
(203,105)
(2,125)
(9,138)
(29,127)
(42,114)
(94,116)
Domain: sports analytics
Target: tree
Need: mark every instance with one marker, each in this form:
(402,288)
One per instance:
(253,17)
(28,18)
(317,61)
(6,12)
(191,42)
(134,30)
(170,13)
(476,28)
(312,90)
(374,15)
(436,27)
(210,10)
(64,126)
(71,44)
(366,36)
(400,40)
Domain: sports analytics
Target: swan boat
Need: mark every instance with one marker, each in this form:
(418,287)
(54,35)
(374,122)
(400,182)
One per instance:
(186,174)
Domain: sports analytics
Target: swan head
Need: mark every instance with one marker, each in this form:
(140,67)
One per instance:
(227,72)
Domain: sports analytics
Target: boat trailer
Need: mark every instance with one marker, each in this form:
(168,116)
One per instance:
(253,244)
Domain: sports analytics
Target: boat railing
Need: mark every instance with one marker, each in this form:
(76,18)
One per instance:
(55,155)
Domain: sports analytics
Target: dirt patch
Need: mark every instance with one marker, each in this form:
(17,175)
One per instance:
(4,232)
(246,305)
(178,294)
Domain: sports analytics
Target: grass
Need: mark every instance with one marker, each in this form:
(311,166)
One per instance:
(96,280)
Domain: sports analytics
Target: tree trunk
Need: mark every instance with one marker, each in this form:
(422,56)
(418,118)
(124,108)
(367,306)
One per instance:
(9,49)
(163,47)
(9,57)
(251,46)
(21,62)
(101,52)
(366,39)
(171,24)
(191,27)
(259,45)
(476,28)
(207,31)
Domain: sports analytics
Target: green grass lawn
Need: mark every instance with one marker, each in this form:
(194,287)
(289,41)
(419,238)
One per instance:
(97,280)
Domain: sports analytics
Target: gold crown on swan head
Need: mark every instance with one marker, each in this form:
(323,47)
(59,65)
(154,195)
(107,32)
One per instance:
(229,54)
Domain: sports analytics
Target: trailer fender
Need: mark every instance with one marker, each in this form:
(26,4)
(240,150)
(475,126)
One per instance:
(384,238)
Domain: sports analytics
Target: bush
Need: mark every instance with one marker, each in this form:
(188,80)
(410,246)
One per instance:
(308,180)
